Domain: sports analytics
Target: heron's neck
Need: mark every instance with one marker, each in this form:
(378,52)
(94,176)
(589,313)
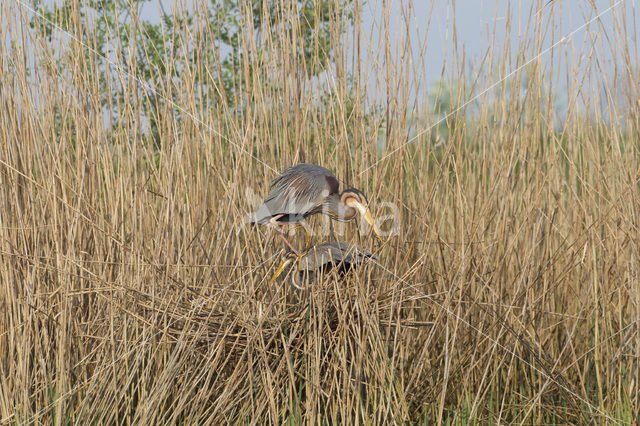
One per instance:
(298,279)
(337,210)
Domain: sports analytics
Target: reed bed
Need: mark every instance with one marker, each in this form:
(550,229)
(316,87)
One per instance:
(133,293)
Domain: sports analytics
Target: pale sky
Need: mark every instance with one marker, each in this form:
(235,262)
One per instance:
(477,21)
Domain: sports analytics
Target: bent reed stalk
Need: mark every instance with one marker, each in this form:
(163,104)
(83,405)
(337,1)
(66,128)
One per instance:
(132,293)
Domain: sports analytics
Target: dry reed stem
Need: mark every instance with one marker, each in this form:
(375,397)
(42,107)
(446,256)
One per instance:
(131,292)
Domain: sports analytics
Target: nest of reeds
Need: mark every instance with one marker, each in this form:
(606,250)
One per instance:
(235,321)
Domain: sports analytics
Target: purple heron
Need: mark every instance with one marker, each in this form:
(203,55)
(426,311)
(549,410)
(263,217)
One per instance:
(322,258)
(306,189)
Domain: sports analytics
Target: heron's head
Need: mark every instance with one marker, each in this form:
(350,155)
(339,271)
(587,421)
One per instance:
(290,257)
(356,200)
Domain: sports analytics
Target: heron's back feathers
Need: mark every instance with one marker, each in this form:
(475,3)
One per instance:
(297,192)
(335,253)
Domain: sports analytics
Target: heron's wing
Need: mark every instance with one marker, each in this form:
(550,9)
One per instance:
(298,190)
(317,257)
(334,252)
(357,255)
(350,253)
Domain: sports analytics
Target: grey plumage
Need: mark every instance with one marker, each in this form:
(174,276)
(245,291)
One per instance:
(307,189)
(322,258)
(299,191)
(335,252)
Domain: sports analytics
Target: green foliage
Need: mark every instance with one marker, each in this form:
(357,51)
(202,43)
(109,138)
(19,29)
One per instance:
(313,17)
(137,59)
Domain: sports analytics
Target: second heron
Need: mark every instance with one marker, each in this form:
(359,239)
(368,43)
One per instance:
(321,259)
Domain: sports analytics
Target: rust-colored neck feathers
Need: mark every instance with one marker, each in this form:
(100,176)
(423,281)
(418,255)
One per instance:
(340,207)
(349,210)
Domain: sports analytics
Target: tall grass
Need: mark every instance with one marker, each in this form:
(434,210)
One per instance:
(132,293)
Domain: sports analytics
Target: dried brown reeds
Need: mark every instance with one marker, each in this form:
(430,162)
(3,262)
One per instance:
(131,292)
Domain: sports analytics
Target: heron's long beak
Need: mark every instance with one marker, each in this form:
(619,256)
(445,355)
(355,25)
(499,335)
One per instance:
(364,211)
(283,265)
